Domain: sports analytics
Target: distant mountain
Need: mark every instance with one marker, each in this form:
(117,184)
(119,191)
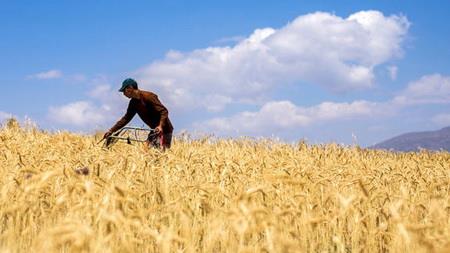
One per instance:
(432,140)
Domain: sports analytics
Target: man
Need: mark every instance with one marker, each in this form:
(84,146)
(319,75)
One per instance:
(150,110)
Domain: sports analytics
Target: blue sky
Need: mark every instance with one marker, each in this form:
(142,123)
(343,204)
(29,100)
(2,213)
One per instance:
(347,71)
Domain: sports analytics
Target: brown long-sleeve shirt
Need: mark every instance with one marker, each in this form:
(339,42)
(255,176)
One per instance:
(149,109)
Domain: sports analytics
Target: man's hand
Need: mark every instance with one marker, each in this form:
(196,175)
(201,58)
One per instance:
(107,134)
(158,129)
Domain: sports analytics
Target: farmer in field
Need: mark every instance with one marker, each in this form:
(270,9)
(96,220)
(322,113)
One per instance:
(150,110)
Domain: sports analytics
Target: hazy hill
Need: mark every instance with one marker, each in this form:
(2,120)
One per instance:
(431,140)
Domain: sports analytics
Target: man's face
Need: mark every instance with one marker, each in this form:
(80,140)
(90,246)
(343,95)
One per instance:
(128,92)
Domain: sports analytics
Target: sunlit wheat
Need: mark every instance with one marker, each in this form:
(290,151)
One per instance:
(63,192)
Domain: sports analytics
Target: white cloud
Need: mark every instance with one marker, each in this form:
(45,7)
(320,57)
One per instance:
(284,115)
(101,91)
(51,74)
(336,111)
(442,119)
(104,106)
(429,89)
(81,113)
(320,48)
(393,70)
(215,103)
(104,93)
(108,97)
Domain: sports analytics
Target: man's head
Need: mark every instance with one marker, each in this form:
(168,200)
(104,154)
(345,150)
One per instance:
(130,88)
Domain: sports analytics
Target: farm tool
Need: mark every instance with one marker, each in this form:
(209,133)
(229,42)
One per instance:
(132,134)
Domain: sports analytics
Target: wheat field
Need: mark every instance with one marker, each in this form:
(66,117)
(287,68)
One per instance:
(62,192)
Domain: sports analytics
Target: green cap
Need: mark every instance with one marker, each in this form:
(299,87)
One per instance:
(128,82)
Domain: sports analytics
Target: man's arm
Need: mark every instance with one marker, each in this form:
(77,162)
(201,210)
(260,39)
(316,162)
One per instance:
(131,111)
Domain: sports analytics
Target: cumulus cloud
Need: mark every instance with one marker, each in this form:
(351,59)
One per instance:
(319,48)
(337,53)
(51,74)
(81,113)
(108,97)
(101,91)
(429,89)
(106,94)
(215,102)
(284,115)
(108,106)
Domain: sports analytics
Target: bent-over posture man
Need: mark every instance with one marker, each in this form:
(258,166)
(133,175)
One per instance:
(150,110)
